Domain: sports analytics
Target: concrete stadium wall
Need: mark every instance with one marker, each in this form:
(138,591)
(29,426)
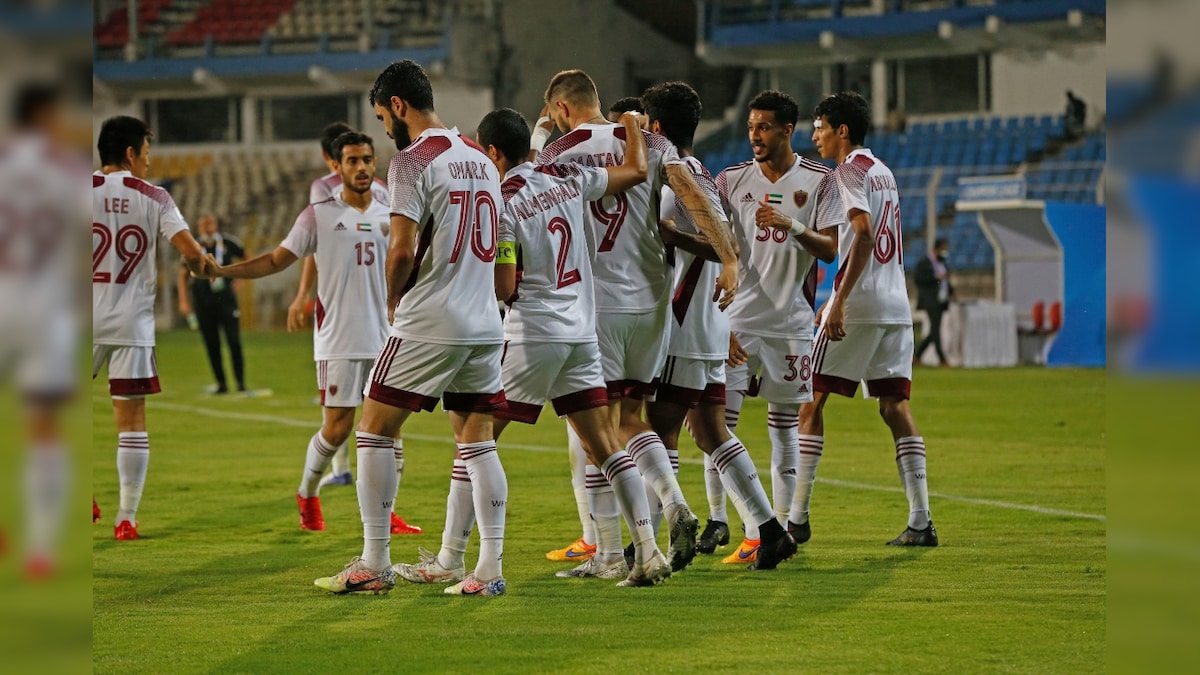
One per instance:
(1028,82)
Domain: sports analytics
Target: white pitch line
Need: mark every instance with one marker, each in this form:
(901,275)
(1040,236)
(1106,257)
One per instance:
(308,424)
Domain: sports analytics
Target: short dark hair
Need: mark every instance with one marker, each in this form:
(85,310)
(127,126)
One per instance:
(784,106)
(330,133)
(349,138)
(941,242)
(508,131)
(118,133)
(848,108)
(676,107)
(627,104)
(574,86)
(405,80)
(32,99)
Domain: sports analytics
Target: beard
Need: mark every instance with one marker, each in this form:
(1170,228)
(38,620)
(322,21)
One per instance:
(399,132)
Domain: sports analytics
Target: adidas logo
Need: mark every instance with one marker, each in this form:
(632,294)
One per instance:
(748,198)
(803,389)
(339,228)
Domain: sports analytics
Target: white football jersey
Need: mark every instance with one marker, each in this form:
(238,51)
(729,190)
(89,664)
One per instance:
(630,270)
(865,183)
(699,329)
(544,214)
(331,184)
(350,248)
(128,216)
(778,278)
(446,184)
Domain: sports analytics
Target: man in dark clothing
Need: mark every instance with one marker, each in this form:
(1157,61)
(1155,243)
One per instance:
(214,303)
(933,295)
(1075,116)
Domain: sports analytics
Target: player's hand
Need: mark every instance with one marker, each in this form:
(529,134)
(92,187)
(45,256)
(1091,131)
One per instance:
(548,125)
(769,216)
(209,268)
(295,315)
(737,355)
(835,322)
(727,285)
(820,311)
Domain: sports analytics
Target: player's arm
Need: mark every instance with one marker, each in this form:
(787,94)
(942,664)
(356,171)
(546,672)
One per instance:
(264,265)
(541,133)
(695,244)
(636,166)
(308,277)
(401,256)
(181,284)
(823,246)
(506,270)
(711,225)
(193,254)
(856,262)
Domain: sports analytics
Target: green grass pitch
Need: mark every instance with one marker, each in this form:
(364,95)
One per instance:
(222,579)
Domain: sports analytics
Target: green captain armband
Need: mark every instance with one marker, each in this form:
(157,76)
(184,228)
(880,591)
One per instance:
(506,253)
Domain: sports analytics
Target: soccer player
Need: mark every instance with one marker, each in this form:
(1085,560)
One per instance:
(624,105)
(632,281)
(865,330)
(38,349)
(692,383)
(771,339)
(128,216)
(446,336)
(320,190)
(347,235)
(550,349)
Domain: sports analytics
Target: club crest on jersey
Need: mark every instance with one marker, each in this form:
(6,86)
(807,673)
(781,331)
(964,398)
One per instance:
(800,197)
(747,198)
(774,199)
(364,227)
(339,228)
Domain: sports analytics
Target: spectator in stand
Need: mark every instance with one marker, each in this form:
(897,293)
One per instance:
(1076,116)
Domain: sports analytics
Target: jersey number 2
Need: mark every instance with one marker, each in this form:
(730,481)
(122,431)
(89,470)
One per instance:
(131,244)
(561,227)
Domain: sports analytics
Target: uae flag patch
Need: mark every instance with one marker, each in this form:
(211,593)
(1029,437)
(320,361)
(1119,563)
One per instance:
(774,199)
(364,227)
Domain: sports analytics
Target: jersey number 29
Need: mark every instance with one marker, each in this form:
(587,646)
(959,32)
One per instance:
(131,244)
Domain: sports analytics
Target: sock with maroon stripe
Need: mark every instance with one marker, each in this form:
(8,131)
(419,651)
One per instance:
(489,487)
(811,448)
(316,460)
(650,455)
(376,491)
(740,475)
(341,460)
(460,518)
(910,462)
(602,502)
(626,482)
(133,458)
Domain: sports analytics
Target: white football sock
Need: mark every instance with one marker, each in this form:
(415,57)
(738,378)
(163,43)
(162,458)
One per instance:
(398,458)
(133,458)
(737,468)
(783,423)
(811,448)
(650,455)
(715,491)
(460,518)
(376,488)
(341,459)
(602,503)
(579,462)
(489,488)
(733,408)
(47,478)
(626,482)
(316,460)
(910,462)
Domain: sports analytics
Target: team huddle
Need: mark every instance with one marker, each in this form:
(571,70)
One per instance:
(641,296)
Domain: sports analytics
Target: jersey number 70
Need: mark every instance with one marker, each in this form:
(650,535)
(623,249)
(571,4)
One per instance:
(472,218)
